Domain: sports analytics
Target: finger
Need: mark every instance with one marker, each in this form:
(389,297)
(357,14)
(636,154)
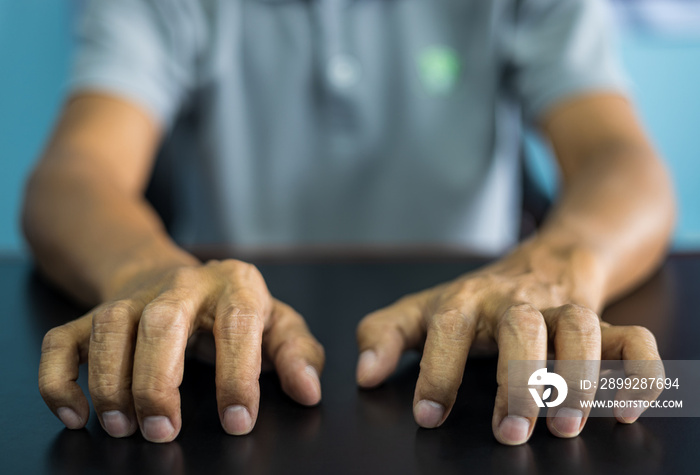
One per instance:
(298,357)
(637,347)
(521,335)
(110,366)
(384,335)
(63,350)
(575,331)
(241,315)
(165,326)
(450,332)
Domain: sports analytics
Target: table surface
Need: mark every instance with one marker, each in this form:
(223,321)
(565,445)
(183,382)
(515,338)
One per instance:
(352,430)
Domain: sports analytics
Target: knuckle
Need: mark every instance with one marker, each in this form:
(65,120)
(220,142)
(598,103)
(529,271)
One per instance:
(525,321)
(231,263)
(375,328)
(640,333)
(151,396)
(50,387)
(451,323)
(246,299)
(236,320)
(153,389)
(438,384)
(643,336)
(106,389)
(370,324)
(185,277)
(521,293)
(241,371)
(56,339)
(243,385)
(117,312)
(170,305)
(466,287)
(576,318)
(522,309)
(308,345)
(163,315)
(242,269)
(116,317)
(249,269)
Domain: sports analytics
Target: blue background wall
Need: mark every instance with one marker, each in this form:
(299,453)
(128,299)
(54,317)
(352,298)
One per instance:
(34,60)
(666,73)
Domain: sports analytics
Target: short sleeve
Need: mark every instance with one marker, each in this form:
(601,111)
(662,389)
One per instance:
(560,48)
(142,50)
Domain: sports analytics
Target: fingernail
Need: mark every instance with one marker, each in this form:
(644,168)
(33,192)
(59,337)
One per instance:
(514,430)
(313,374)
(567,421)
(69,418)
(237,420)
(630,414)
(157,429)
(365,365)
(116,424)
(428,414)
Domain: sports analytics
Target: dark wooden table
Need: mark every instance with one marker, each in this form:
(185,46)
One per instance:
(352,431)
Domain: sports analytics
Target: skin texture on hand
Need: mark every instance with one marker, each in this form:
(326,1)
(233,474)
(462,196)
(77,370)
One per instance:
(608,231)
(509,306)
(135,347)
(92,232)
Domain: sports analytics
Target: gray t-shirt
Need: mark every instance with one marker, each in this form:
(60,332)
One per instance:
(346,121)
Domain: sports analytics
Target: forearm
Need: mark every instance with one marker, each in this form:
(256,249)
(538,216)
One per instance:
(618,210)
(88,235)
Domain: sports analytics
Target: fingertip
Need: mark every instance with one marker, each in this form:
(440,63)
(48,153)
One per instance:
(628,415)
(302,383)
(513,430)
(429,414)
(237,420)
(158,429)
(566,423)
(117,424)
(366,369)
(313,386)
(373,368)
(70,418)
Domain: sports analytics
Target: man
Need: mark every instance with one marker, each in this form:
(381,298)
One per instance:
(337,121)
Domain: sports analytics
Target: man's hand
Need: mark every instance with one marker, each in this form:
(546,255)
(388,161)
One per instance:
(135,348)
(607,232)
(533,301)
(93,233)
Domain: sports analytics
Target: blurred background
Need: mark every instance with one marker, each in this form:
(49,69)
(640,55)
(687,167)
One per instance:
(659,43)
